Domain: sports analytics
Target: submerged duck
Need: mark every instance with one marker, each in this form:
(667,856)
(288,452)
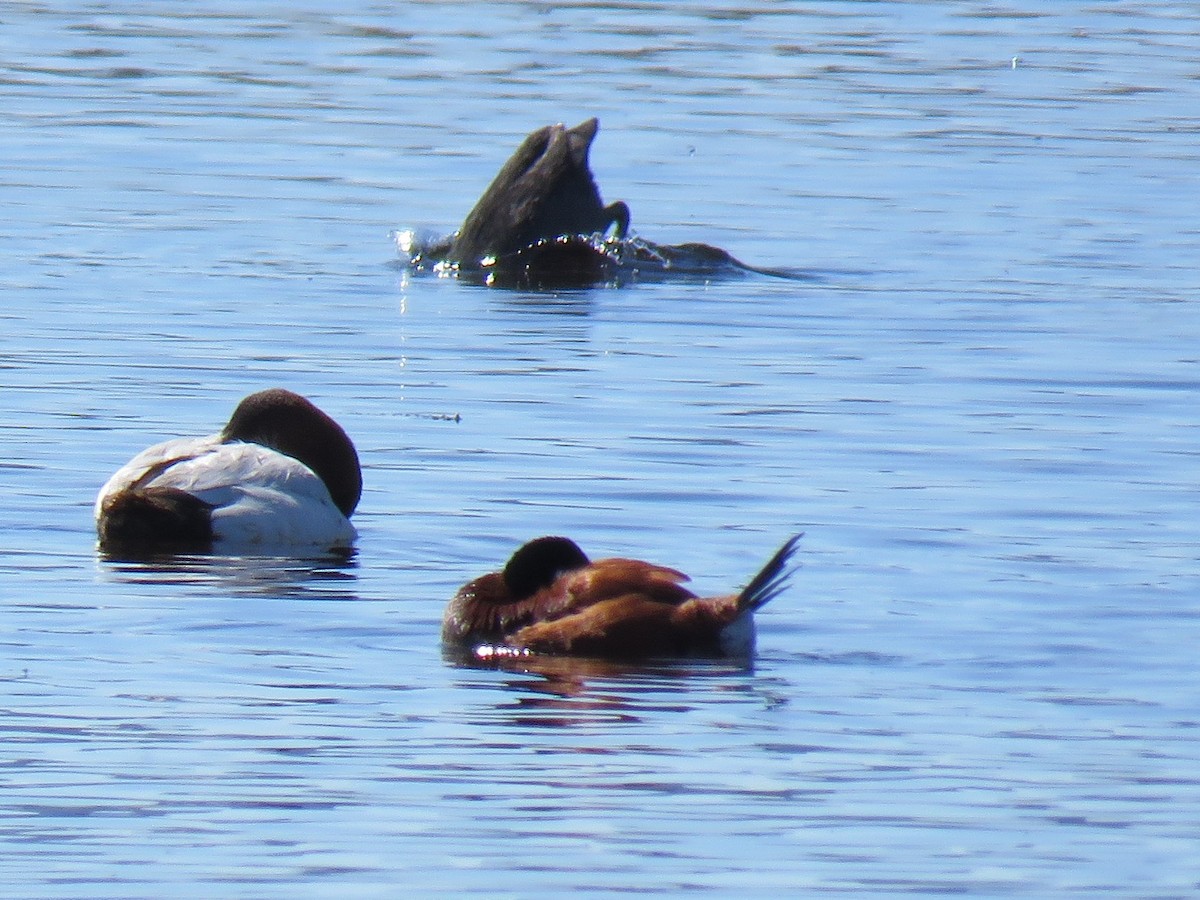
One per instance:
(550,598)
(541,223)
(545,191)
(280,474)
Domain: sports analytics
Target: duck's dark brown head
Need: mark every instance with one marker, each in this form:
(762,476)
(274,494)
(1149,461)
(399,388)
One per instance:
(539,563)
(294,426)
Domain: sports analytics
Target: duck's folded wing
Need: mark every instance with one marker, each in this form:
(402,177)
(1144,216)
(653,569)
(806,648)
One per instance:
(146,467)
(605,579)
(262,498)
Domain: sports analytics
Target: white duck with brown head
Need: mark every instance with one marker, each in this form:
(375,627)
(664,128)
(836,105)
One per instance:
(280,475)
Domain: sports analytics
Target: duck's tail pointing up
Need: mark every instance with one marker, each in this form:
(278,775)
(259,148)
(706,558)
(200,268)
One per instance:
(771,579)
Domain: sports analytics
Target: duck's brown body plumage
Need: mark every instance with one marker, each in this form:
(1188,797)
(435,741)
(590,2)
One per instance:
(551,599)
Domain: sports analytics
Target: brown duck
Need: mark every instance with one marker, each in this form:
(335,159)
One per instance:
(550,598)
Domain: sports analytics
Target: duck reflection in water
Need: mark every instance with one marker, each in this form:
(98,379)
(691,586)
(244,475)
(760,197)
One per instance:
(542,691)
(542,223)
(321,577)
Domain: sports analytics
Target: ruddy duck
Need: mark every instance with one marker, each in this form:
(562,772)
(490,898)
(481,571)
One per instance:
(281,474)
(550,598)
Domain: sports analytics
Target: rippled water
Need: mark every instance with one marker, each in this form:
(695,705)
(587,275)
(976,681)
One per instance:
(980,406)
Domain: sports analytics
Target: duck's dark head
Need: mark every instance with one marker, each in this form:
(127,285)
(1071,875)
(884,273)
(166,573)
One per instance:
(539,563)
(291,424)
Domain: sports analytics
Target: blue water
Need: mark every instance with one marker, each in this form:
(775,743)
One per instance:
(980,404)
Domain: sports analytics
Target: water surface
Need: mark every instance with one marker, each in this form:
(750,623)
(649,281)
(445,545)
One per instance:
(980,406)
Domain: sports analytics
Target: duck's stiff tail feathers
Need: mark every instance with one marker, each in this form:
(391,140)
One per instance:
(771,579)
